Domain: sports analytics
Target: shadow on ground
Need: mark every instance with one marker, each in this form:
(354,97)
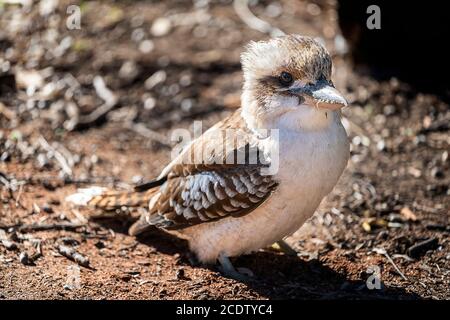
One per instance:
(276,275)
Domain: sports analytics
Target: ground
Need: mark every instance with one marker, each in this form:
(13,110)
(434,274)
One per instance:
(388,213)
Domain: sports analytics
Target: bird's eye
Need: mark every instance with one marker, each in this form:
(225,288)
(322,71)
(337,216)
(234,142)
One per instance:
(286,79)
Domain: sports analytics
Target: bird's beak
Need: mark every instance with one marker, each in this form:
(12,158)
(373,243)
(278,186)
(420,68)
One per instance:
(322,94)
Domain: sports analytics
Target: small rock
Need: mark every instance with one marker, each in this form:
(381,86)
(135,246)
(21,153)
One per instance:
(162,293)
(389,110)
(181,274)
(437,173)
(408,214)
(43,161)
(149,103)
(137,179)
(137,34)
(125,277)
(47,208)
(416,173)
(24,258)
(155,79)
(161,27)
(274,10)
(146,46)
(9,245)
(128,71)
(70,241)
(100,245)
(54,202)
(444,156)
(36,209)
(381,146)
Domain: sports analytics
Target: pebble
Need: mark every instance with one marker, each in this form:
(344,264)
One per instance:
(146,46)
(47,208)
(180,274)
(138,35)
(381,145)
(129,70)
(149,103)
(43,160)
(155,79)
(24,258)
(437,173)
(274,10)
(161,27)
(389,110)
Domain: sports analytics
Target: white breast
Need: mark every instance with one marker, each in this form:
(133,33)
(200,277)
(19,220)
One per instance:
(310,163)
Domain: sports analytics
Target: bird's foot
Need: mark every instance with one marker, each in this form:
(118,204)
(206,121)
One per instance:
(284,247)
(227,268)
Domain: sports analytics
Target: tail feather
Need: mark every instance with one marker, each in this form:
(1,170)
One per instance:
(105,199)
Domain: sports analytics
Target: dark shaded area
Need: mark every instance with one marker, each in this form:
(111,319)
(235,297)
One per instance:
(276,275)
(411,44)
(280,276)
(286,277)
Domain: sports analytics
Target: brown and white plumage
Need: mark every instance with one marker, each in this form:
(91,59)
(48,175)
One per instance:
(225,208)
(219,187)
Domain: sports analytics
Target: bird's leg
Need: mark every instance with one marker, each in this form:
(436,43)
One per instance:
(227,268)
(284,247)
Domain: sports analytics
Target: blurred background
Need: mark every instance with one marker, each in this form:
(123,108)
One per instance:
(90,91)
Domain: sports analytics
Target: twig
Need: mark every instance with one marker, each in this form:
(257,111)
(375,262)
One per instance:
(420,248)
(5,180)
(18,197)
(110,102)
(148,133)
(58,156)
(8,244)
(243,11)
(384,253)
(52,226)
(73,255)
(82,219)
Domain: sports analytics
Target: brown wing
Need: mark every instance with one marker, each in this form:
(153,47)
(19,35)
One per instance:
(221,185)
(209,195)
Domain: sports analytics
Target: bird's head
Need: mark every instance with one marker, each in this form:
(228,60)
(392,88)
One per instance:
(289,79)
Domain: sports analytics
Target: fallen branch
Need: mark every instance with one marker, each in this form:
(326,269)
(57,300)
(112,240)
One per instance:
(52,226)
(420,248)
(73,255)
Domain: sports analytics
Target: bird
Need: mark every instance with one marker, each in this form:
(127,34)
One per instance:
(254,178)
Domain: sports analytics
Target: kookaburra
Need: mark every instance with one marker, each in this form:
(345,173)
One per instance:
(223,208)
